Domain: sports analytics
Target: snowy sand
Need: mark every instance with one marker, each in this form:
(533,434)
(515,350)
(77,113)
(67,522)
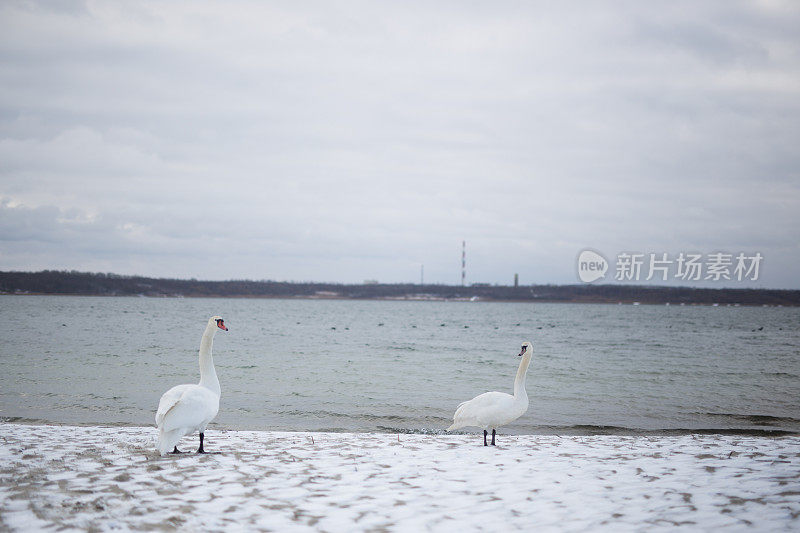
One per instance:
(105,478)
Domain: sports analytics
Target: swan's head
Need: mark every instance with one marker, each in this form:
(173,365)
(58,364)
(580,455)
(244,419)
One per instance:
(217,320)
(527,348)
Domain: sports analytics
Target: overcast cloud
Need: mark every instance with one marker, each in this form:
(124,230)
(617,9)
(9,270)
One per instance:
(358,140)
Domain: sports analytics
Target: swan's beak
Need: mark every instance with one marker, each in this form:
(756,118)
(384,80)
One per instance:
(523,351)
(221,325)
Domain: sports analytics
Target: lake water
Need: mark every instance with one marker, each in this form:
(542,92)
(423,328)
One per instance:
(342,365)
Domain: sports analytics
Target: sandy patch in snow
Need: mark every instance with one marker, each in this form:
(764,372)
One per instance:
(99,478)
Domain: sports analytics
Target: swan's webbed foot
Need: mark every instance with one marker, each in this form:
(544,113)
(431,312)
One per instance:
(493,434)
(484,437)
(200,449)
(176,450)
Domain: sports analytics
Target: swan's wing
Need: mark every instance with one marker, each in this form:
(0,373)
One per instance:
(487,400)
(168,400)
(196,407)
(494,400)
(480,410)
(460,410)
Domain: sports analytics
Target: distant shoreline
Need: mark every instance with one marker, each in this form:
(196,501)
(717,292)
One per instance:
(49,282)
(389,299)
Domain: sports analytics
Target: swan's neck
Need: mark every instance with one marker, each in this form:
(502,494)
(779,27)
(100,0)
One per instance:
(519,381)
(208,376)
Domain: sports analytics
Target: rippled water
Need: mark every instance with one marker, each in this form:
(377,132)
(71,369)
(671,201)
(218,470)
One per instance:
(403,366)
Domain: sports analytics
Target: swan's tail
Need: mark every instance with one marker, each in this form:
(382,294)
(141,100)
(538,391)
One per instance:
(167,440)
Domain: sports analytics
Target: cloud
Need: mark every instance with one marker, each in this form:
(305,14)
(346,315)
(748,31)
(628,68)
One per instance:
(360,140)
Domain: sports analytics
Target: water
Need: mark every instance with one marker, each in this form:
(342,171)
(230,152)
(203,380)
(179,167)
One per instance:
(404,366)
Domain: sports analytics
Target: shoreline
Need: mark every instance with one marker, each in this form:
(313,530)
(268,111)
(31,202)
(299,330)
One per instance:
(105,478)
(547,431)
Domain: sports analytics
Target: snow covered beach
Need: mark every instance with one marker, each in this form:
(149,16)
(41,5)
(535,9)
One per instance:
(106,478)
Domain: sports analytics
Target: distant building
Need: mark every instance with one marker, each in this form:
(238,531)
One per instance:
(516,280)
(370,282)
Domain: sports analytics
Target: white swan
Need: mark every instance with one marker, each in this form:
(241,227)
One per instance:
(495,409)
(184,409)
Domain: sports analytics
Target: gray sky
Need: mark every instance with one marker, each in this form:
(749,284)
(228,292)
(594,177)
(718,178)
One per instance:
(357,140)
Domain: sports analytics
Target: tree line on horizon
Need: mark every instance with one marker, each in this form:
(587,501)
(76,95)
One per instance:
(106,284)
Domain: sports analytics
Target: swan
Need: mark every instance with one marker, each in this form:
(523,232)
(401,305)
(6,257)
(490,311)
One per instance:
(184,409)
(495,409)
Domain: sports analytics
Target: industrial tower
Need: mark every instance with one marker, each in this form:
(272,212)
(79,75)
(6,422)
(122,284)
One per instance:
(463,262)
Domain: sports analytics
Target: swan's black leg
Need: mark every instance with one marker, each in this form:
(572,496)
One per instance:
(176,450)
(493,433)
(484,437)
(200,449)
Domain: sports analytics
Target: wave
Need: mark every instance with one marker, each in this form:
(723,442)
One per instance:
(761,420)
